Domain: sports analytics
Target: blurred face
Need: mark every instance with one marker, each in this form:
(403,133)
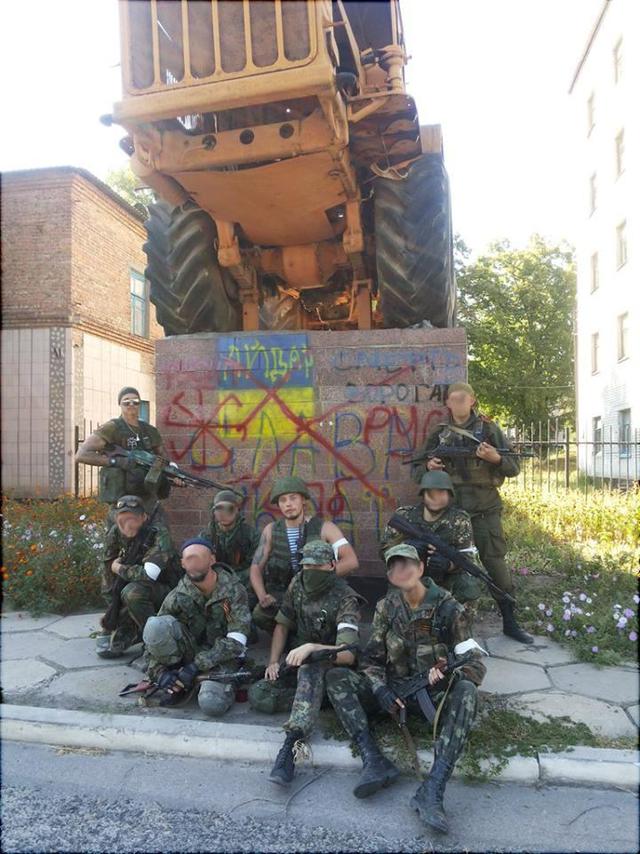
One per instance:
(197,561)
(460,404)
(130,406)
(226,513)
(320,567)
(404,573)
(130,523)
(436,499)
(291,505)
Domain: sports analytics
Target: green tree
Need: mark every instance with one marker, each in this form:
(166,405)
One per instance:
(517,306)
(127,185)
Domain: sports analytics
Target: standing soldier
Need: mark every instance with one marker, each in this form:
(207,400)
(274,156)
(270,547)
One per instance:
(275,561)
(476,479)
(140,568)
(234,540)
(416,627)
(438,514)
(320,612)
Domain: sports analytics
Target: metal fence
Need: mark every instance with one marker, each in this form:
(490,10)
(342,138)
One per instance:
(85,478)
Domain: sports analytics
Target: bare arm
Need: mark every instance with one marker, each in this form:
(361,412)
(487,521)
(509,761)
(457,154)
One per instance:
(278,643)
(91,450)
(260,558)
(347,560)
(300,654)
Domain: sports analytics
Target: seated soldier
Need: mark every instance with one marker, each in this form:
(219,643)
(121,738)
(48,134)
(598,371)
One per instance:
(276,559)
(438,514)
(318,612)
(415,627)
(202,625)
(139,568)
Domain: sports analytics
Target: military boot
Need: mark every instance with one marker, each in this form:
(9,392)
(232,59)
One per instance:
(119,641)
(428,798)
(284,766)
(510,626)
(377,770)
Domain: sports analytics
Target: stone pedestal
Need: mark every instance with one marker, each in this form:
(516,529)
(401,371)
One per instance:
(339,409)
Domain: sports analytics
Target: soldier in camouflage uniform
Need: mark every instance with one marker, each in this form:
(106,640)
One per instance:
(275,561)
(234,539)
(202,625)
(319,611)
(476,480)
(140,552)
(414,628)
(438,514)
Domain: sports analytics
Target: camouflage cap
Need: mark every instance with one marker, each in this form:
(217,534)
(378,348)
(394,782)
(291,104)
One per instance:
(284,485)
(226,496)
(130,504)
(436,480)
(317,552)
(402,550)
(461,387)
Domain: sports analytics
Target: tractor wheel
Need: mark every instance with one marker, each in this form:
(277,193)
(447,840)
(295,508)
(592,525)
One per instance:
(414,246)
(189,288)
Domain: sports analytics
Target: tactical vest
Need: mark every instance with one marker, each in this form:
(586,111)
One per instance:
(114,481)
(232,547)
(471,471)
(279,572)
(316,618)
(133,551)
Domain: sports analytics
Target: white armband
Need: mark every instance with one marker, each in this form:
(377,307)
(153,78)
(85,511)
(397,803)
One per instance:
(238,636)
(467,646)
(343,541)
(341,626)
(152,570)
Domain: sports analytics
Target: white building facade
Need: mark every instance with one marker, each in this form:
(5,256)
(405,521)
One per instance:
(606,94)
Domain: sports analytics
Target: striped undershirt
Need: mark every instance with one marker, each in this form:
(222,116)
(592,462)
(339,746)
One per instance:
(293,535)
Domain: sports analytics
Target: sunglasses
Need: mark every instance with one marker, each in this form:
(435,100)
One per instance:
(130,403)
(131,503)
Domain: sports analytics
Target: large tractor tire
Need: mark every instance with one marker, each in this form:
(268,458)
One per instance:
(189,288)
(414,246)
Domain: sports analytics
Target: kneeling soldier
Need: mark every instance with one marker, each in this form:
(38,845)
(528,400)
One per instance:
(415,628)
(320,612)
(140,568)
(203,624)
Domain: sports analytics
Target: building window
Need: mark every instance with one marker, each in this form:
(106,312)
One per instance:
(597,434)
(143,412)
(595,346)
(620,153)
(591,113)
(623,336)
(139,304)
(617,61)
(593,192)
(621,244)
(624,432)
(595,272)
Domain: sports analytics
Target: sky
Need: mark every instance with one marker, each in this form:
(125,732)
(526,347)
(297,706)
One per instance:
(494,73)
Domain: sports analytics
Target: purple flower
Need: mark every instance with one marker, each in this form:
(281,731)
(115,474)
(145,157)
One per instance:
(582,597)
(574,633)
(549,612)
(566,616)
(541,606)
(636,598)
(590,630)
(589,600)
(633,636)
(567,633)
(622,622)
(550,628)
(594,649)
(628,613)
(566,599)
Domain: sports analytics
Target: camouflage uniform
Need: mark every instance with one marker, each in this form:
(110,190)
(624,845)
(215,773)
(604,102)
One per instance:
(454,527)
(191,628)
(235,547)
(403,643)
(476,482)
(331,618)
(142,596)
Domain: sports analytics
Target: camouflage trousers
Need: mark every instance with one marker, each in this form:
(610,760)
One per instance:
(302,691)
(352,698)
(140,600)
(492,547)
(265,618)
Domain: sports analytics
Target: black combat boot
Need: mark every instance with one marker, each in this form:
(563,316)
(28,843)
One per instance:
(282,771)
(428,798)
(509,625)
(377,770)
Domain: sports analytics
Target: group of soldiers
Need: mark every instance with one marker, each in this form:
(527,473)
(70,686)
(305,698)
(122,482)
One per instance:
(197,612)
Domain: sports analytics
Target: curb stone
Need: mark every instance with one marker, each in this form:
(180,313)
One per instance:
(255,743)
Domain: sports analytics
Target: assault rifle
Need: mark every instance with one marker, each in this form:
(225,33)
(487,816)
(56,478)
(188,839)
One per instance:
(420,537)
(158,467)
(458,452)
(147,688)
(321,655)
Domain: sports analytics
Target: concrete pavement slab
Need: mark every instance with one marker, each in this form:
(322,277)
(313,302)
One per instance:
(592,765)
(542,651)
(21,621)
(92,689)
(601,718)
(29,645)
(80,652)
(508,677)
(24,674)
(77,626)
(634,713)
(616,684)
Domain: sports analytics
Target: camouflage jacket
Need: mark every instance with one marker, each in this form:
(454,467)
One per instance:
(405,642)
(331,618)
(236,546)
(152,544)
(114,481)
(209,621)
(476,481)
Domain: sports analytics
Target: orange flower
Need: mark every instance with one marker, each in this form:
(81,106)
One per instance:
(34,548)
(29,572)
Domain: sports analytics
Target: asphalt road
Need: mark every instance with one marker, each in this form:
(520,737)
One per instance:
(77,800)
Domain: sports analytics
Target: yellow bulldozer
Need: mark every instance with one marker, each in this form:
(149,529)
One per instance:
(295,187)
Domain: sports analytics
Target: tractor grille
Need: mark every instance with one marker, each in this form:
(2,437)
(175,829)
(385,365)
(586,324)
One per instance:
(172,43)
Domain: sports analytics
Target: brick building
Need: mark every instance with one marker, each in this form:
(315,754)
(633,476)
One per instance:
(77,322)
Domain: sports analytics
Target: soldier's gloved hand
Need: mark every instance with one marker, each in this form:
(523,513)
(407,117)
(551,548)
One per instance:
(386,698)
(187,674)
(438,565)
(124,463)
(168,679)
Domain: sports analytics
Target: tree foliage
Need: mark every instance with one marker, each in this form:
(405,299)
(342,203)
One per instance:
(127,185)
(517,306)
